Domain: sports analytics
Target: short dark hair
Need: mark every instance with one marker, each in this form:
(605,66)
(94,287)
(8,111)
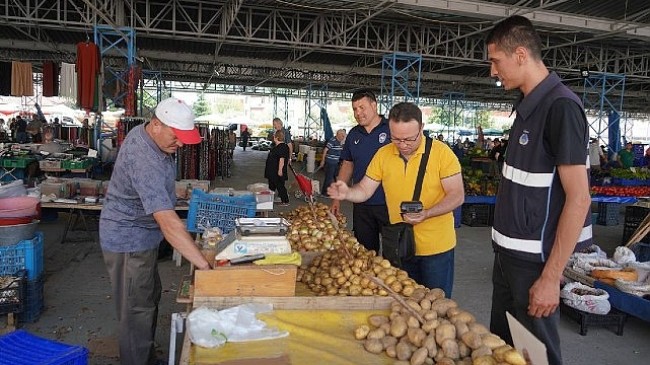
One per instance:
(405,112)
(516,31)
(364,93)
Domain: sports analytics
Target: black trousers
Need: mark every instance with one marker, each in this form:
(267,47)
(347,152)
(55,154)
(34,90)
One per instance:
(367,221)
(511,280)
(277,183)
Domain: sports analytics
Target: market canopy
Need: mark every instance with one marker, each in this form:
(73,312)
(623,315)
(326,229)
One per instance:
(492,132)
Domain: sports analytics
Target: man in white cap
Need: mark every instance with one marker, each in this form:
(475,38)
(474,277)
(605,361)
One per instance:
(138,213)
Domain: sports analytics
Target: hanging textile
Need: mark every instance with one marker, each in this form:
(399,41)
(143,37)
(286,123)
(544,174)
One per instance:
(50,79)
(68,87)
(22,83)
(133,79)
(327,125)
(5,78)
(87,70)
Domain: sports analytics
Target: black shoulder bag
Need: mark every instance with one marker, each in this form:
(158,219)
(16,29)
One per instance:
(398,240)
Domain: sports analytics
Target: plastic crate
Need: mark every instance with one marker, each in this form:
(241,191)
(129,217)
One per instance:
(21,347)
(608,214)
(49,164)
(26,254)
(34,301)
(641,251)
(477,215)
(18,174)
(76,164)
(12,294)
(16,162)
(218,210)
(613,318)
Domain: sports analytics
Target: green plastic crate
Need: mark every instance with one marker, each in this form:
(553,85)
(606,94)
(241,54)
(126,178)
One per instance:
(16,162)
(76,164)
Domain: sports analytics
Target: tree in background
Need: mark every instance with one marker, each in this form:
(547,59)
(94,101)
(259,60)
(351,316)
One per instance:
(484,119)
(201,106)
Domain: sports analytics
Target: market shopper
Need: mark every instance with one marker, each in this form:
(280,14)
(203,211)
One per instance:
(542,210)
(279,126)
(138,213)
(245,135)
(596,155)
(331,159)
(626,156)
(362,143)
(276,167)
(395,167)
(21,130)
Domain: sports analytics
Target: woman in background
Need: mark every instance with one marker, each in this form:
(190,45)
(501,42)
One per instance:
(276,167)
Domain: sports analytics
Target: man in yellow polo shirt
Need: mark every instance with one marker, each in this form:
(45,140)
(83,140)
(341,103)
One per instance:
(395,166)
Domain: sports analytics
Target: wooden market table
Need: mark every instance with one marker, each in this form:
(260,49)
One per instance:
(320,329)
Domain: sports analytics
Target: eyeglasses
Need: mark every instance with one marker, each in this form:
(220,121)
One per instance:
(406,141)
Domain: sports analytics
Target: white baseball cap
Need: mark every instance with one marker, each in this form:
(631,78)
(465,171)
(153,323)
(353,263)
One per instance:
(176,114)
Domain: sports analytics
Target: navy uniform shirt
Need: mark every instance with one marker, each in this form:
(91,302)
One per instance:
(359,148)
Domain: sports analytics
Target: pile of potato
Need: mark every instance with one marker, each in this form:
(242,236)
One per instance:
(312,229)
(337,273)
(447,336)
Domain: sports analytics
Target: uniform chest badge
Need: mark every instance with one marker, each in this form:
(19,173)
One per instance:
(523,139)
(382,138)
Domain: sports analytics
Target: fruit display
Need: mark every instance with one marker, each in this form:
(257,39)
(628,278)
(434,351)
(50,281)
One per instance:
(431,329)
(621,190)
(476,182)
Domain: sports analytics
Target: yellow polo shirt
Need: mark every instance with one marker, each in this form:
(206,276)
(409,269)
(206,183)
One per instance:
(434,235)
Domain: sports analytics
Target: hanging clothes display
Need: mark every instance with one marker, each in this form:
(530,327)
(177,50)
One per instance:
(50,79)
(22,83)
(87,71)
(5,78)
(68,87)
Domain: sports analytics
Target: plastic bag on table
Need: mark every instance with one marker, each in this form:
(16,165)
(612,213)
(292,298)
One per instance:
(212,328)
(585,298)
(623,255)
(13,189)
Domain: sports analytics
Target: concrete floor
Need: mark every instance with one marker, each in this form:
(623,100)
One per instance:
(79,308)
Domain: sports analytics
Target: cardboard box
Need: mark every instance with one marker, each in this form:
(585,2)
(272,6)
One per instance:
(246,280)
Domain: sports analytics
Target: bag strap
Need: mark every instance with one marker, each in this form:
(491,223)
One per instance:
(423,168)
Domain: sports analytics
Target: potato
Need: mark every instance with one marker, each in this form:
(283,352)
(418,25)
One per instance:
(376,334)
(472,340)
(430,314)
(391,352)
(453,311)
(398,327)
(450,349)
(492,341)
(484,360)
(429,343)
(442,306)
(387,341)
(499,352)
(463,350)
(461,328)
(481,351)
(462,316)
(464,361)
(401,362)
(514,357)
(430,325)
(419,356)
(445,332)
(373,346)
(385,327)
(445,361)
(478,328)
(408,290)
(413,304)
(377,320)
(418,294)
(361,332)
(403,350)
(416,336)
(413,322)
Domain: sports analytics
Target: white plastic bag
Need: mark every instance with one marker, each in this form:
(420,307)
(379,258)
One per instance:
(212,328)
(13,189)
(585,298)
(623,255)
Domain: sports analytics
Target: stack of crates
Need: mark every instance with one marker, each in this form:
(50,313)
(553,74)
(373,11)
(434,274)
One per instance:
(212,210)
(634,215)
(608,213)
(26,255)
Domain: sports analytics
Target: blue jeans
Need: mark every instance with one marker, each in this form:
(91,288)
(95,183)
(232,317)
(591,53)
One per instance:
(434,271)
(331,169)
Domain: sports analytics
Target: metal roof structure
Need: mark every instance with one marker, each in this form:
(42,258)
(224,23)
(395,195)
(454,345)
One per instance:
(339,43)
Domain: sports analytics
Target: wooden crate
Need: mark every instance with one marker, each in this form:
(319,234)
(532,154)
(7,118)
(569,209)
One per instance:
(246,281)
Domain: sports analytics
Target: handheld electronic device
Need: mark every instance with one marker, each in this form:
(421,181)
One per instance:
(411,207)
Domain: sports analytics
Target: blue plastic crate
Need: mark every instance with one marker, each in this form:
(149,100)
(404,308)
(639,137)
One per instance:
(458,216)
(218,210)
(21,347)
(26,254)
(12,294)
(34,302)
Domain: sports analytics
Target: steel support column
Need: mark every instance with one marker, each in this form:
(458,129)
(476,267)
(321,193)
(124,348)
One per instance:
(400,75)
(120,42)
(280,105)
(603,96)
(452,113)
(316,99)
(151,86)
